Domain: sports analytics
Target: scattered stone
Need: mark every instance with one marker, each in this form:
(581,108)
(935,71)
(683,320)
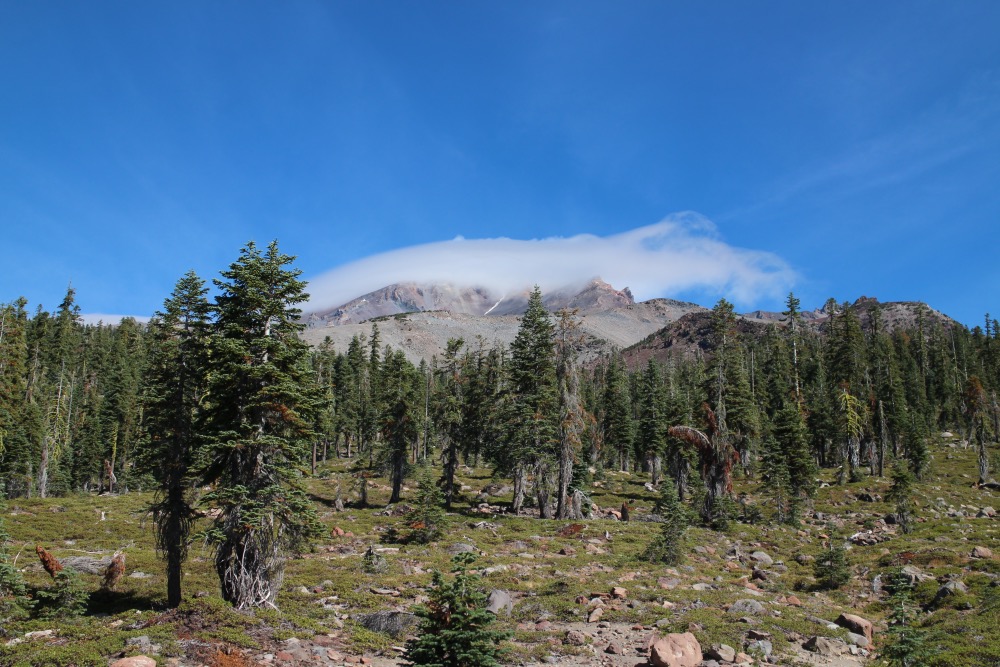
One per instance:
(950,589)
(822,645)
(86,564)
(856,624)
(675,650)
(751,607)
(498,601)
(858,640)
(722,652)
(668,584)
(575,638)
(804,559)
(135,661)
(615,648)
(762,646)
(701,586)
(793,601)
(392,623)
(462,548)
(595,615)
(619,593)
(981,552)
(762,558)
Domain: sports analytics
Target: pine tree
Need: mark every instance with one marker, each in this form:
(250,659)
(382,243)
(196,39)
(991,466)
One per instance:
(258,424)
(573,419)
(651,433)
(900,495)
(175,387)
(455,625)
(906,642)
(448,413)
(427,520)
(667,547)
(400,420)
(531,428)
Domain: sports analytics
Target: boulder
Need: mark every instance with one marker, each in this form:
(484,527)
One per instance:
(950,589)
(978,552)
(499,601)
(762,558)
(822,645)
(675,650)
(392,623)
(751,607)
(722,653)
(135,661)
(858,640)
(856,624)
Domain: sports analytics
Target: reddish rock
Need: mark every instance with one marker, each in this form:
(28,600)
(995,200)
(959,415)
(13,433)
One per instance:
(135,661)
(676,650)
(856,624)
(619,593)
(595,615)
(284,656)
(793,601)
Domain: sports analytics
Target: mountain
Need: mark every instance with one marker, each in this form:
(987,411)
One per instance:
(690,334)
(420,318)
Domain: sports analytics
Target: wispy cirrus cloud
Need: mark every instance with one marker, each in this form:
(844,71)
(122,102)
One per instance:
(683,252)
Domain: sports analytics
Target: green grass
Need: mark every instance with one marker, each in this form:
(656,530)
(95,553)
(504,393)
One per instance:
(546,585)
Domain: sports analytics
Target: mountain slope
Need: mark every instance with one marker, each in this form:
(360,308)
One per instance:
(420,319)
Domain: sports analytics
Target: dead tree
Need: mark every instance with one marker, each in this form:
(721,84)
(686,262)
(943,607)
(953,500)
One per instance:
(716,456)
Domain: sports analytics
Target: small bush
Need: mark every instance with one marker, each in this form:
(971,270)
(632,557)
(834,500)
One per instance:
(455,626)
(66,597)
(831,567)
(427,519)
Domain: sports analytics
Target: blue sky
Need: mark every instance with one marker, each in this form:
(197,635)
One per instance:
(838,149)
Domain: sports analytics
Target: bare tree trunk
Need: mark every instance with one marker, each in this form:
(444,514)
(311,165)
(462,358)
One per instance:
(520,481)
(542,490)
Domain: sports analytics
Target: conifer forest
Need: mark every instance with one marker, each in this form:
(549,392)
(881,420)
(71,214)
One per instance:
(243,447)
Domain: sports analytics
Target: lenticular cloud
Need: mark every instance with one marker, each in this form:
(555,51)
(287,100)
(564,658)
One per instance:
(681,253)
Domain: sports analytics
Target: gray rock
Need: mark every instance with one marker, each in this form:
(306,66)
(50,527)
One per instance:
(722,652)
(950,589)
(857,640)
(392,623)
(823,646)
(751,607)
(462,548)
(763,646)
(762,558)
(86,564)
(499,601)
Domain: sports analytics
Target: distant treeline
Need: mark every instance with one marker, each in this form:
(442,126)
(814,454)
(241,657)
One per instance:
(75,403)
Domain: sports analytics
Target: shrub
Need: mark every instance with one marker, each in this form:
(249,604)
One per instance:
(667,547)
(427,518)
(831,568)
(66,597)
(454,625)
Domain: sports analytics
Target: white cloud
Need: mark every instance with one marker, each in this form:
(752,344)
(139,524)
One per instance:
(682,252)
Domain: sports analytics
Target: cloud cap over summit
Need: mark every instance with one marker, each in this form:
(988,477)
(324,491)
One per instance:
(680,253)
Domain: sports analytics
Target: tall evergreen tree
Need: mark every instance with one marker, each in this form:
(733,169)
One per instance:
(531,405)
(175,386)
(259,424)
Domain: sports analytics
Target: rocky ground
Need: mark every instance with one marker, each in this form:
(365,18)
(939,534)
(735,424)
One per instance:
(570,593)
